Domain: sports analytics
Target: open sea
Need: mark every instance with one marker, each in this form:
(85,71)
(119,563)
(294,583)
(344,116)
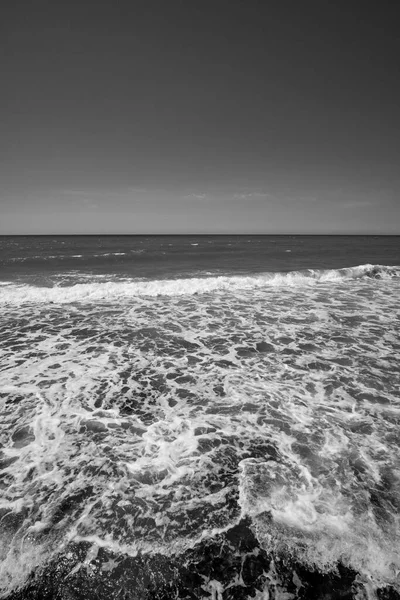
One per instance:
(199,417)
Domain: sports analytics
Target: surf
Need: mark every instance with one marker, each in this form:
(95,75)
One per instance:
(14,293)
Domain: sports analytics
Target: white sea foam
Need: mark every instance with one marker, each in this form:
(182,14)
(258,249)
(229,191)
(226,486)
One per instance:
(117,253)
(185,287)
(148,423)
(49,257)
(320,523)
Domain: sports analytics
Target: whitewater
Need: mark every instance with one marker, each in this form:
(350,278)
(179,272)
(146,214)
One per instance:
(199,419)
(182,287)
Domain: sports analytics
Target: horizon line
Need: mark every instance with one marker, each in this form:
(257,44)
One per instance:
(147,234)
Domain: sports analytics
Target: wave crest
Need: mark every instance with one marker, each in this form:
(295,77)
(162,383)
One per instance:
(90,292)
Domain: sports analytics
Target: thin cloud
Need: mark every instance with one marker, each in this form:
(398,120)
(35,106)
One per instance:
(358,203)
(136,190)
(88,203)
(85,198)
(245,195)
(196,196)
(104,193)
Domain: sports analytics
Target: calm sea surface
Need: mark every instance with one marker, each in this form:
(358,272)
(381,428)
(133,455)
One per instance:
(199,417)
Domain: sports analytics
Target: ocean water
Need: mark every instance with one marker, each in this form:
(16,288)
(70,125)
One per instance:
(199,417)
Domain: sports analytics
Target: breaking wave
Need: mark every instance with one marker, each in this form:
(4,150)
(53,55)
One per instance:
(21,293)
(172,443)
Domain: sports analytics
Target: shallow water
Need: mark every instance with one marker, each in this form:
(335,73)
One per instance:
(204,437)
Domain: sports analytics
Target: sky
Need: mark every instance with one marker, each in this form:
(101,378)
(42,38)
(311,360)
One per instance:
(199,117)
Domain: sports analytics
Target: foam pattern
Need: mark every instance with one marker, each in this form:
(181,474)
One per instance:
(143,419)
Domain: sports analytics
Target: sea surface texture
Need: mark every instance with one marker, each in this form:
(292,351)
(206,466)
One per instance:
(199,417)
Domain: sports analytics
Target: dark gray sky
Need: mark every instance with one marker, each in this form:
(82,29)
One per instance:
(199,116)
